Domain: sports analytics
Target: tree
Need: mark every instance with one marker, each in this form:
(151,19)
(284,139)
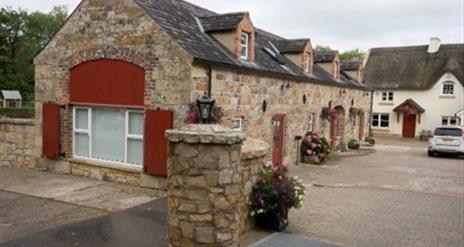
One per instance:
(353,55)
(322,48)
(22,35)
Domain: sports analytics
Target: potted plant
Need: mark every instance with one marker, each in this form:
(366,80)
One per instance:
(354,144)
(273,195)
(314,148)
(328,114)
(370,140)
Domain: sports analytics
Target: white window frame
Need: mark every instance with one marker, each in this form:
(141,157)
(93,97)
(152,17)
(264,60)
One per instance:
(246,45)
(240,120)
(448,120)
(379,119)
(448,83)
(311,122)
(386,95)
(89,133)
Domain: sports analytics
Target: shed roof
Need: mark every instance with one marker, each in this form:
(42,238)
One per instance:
(413,68)
(351,65)
(325,57)
(11,95)
(222,22)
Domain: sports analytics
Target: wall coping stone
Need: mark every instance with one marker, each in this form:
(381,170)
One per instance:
(254,148)
(205,134)
(17,121)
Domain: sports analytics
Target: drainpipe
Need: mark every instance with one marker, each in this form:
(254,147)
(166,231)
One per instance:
(370,114)
(210,79)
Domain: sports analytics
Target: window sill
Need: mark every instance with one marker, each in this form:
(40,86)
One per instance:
(386,103)
(383,129)
(447,96)
(106,164)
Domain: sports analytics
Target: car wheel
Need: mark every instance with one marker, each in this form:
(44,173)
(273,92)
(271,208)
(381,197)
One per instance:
(431,153)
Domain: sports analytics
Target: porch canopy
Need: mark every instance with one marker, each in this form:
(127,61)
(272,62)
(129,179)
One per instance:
(409,107)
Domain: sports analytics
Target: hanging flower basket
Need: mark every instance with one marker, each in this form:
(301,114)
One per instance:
(329,114)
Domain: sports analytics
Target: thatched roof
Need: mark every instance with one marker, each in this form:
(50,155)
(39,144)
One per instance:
(413,68)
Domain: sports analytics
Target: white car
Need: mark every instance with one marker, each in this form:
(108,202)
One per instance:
(447,139)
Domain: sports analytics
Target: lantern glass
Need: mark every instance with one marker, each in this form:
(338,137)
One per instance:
(205,105)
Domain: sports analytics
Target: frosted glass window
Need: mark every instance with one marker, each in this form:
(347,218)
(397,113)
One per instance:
(81,144)
(135,151)
(82,119)
(108,134)
(135,123)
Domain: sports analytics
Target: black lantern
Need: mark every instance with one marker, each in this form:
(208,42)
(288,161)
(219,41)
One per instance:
(205,105)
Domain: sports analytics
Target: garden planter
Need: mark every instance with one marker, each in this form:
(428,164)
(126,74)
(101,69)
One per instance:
(312,160)
(271,222)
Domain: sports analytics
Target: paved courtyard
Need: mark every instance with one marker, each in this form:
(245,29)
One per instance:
(396,196)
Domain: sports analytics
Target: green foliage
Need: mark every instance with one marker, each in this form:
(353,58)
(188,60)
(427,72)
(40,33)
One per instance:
(17,112)
(370,140)
(353,55)
(22,35)
(322,48)
(275,192)
(315,145)
(353,144)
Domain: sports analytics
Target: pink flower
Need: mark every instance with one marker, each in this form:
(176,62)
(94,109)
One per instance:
(309,152)
(313,145)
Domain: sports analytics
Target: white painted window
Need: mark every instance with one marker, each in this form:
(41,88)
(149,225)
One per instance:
(244,44)
(237,124)
(387,96)
(448,88)
(449,120)
(310,122)
(380,120)
(109,134)
(307,62)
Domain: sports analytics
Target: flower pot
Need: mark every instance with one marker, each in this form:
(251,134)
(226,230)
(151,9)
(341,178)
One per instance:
(270,221)
(311,159)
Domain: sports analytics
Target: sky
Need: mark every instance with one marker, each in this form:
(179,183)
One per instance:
(340,24)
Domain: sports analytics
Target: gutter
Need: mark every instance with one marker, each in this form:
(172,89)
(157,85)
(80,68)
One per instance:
(210,79)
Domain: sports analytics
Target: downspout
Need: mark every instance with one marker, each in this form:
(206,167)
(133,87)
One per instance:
(370,114)
(210,79)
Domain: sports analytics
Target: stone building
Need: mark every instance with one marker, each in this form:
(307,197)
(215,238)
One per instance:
(121,72)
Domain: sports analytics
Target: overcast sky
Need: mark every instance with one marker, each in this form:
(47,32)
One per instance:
(340,24)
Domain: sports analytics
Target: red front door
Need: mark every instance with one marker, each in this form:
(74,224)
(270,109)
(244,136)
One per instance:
(278,130)
(409,126)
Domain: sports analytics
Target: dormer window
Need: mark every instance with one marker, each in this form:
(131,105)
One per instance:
(244,44)
(448,88)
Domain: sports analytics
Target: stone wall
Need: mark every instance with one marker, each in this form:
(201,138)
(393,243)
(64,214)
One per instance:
(210,177)
(19,147)
(242,95)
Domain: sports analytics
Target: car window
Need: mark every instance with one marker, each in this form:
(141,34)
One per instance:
(447,132)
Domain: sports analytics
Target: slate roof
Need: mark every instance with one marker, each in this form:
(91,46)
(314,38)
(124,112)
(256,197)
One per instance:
(291,45)
(351,65)
(184,22)
(222,22)
(412,68)
(325,57)
(11,95)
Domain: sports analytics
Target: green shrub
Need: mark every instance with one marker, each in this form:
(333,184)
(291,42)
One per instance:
(353,144)
(370,140)
(17,113)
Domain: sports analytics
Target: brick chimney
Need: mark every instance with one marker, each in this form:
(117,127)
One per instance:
(434,45)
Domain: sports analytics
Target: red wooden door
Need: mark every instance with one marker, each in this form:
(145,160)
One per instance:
(278,133)
(156,145)
(409,126)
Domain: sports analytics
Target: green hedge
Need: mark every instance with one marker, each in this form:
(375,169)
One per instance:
(18,113)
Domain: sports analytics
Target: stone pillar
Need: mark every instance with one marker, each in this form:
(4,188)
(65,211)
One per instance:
(205,190)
